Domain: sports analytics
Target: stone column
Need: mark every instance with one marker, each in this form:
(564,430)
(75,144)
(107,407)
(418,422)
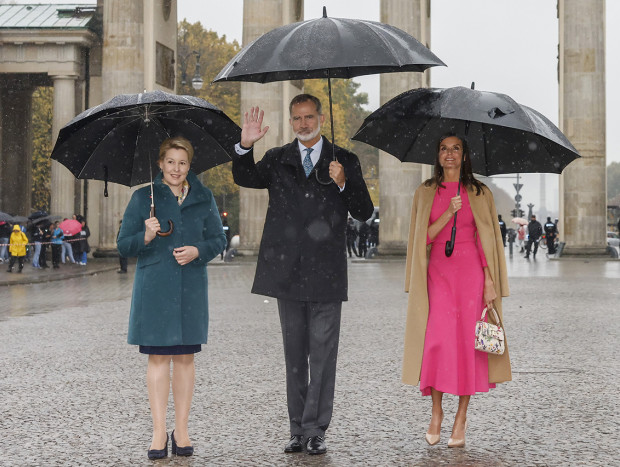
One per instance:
(16,151)
(582,119)
(397,180)
(122,73)
(260,16)
(62,180)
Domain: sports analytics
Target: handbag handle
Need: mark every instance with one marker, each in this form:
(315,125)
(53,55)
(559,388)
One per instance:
(495,316)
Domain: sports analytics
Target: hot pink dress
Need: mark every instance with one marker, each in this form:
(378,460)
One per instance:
(456,299)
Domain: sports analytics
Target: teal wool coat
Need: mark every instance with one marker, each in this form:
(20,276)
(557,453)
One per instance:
(169,302)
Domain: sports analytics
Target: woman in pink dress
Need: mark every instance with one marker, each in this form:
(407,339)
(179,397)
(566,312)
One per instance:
(447,294)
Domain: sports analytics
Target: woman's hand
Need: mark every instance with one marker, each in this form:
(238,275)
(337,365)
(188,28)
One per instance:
(185,254)
(152,227)
(489,292)
(455,204)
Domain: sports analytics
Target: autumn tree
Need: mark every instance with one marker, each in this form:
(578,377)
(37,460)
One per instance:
(193,43)
(42,112)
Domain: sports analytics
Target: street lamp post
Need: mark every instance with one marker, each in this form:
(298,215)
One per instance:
(197,81)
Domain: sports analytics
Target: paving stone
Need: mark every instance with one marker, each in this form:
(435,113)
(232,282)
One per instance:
(74,393)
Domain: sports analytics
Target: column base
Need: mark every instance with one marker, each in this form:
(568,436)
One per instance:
(392,250)
(105,253)
(584,252)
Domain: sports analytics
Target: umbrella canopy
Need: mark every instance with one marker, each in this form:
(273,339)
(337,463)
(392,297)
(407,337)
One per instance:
(19,219)
(4,217)
(520,221)
(118,141)
(70,227)
(45,219)
(37,215)
(503,136)
(328,48)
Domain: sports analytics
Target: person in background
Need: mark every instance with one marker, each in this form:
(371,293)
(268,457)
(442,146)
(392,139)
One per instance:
(45,240)
(122,260)
(362,234)
(534,232)
(84,246)
(67,249)
(502,228)
(37,238)
(351,237)
(57,237)
(5,234)
(521,237)
(18,241)
(551,233)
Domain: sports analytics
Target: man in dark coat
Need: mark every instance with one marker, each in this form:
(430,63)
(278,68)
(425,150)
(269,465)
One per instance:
(364,233)
(534,232)
(551,232)
(302,260)
(502,228)
(351,237)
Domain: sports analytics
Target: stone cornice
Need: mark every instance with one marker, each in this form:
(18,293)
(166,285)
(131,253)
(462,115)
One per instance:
(81,37)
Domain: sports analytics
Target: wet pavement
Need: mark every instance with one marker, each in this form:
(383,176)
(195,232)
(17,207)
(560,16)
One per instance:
(73,392)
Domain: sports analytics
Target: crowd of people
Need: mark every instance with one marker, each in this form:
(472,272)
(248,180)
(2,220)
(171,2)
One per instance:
(20,244)
(360,239)
(528,236)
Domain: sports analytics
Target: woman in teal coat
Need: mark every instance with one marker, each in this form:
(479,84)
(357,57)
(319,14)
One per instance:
(169,312)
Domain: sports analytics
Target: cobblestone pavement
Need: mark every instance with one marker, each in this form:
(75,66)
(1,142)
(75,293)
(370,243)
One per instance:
(73,392)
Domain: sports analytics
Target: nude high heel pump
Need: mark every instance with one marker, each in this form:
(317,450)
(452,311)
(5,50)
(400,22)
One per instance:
(432,440)
(457,443)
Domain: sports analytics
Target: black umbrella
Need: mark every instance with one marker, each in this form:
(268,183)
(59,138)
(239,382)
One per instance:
(118,141)
(328,48)
(503,136)
(38,215)
(45,219)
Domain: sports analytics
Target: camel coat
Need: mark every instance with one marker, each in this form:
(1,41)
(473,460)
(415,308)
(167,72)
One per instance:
(485,215)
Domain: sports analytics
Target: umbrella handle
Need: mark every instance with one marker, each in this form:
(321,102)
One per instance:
(450,244)
(170,223)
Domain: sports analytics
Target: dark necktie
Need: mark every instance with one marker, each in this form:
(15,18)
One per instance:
(307,163)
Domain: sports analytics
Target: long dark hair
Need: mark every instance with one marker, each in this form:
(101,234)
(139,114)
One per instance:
(467,176)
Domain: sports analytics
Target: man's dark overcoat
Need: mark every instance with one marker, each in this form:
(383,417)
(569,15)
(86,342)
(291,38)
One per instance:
(302,253)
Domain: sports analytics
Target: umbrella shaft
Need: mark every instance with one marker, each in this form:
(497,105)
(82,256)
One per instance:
(331,115)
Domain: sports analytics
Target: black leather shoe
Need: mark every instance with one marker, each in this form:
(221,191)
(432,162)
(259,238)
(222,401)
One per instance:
(159,453)
(296,444)
(185,451)
(316,445)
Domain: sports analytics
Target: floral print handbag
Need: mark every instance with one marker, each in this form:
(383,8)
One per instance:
(490,337)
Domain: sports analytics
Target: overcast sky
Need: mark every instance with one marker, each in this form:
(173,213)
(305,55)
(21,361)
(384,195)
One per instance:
(507,46)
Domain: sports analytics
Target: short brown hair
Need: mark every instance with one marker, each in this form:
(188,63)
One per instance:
(305,98)
(176,142)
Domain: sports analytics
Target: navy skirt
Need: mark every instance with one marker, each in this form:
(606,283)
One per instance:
(170,349)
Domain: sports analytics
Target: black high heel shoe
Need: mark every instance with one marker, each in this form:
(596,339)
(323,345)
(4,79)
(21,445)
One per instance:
(159,453)
(181,451)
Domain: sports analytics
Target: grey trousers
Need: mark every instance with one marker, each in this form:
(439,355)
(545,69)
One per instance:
(310,331)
